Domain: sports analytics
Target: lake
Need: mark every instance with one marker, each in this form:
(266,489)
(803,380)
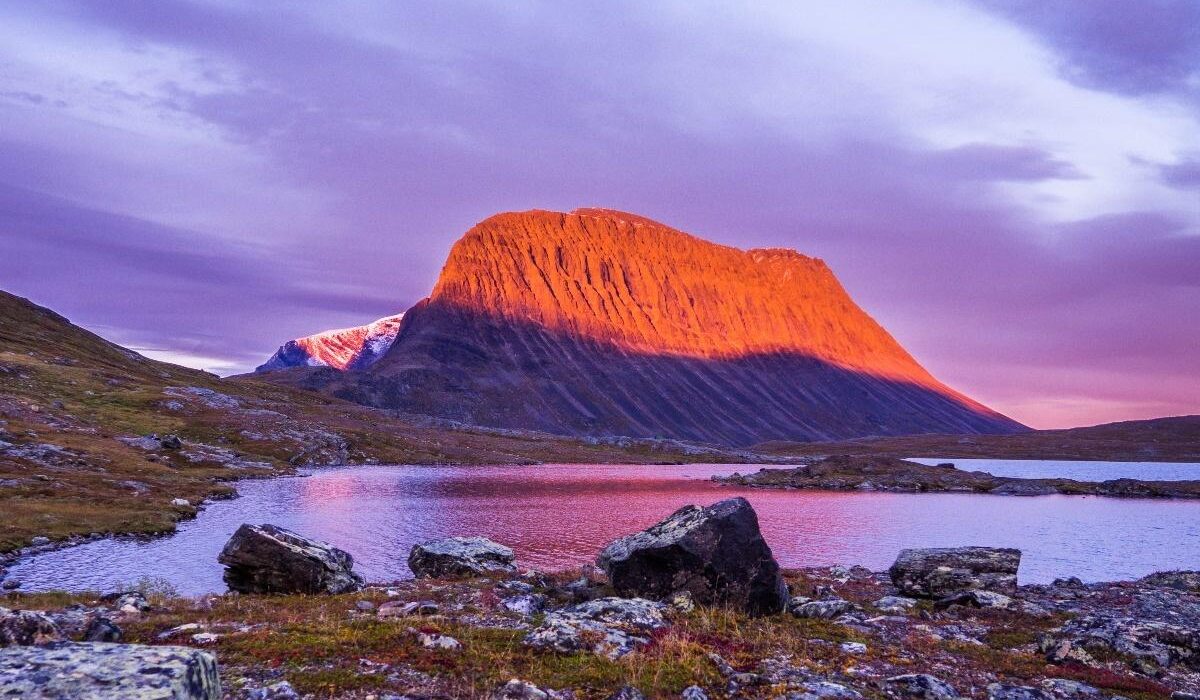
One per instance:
(559,516)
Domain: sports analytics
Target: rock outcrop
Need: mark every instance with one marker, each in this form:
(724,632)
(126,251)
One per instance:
(65,670)
(343,348)
(270,559)
(602,323)
(716,553)
(944,572)
(460,556)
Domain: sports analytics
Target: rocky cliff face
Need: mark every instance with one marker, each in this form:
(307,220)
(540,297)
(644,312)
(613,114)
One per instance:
(604,323)
(344,348)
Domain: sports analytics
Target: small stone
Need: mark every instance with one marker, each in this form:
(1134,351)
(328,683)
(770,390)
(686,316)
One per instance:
(170,442)
(528,604)
(278,691)
(1066,688)
(183,502)
(438,641)
(187,627)
(976,599)
(205,637)
(822,609)
(364,606)
(921,686)
(854,647)
(102,629)
(396,608)
(895,604)
(10,584)
(683,602)
(627,692)
(1003,691)
(693,692)
(517,689)
(39,541)
(824,690)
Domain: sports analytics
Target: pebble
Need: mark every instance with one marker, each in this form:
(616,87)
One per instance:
(854,647)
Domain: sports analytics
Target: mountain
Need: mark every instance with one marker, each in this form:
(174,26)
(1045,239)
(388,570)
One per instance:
(343,348)
(603,323)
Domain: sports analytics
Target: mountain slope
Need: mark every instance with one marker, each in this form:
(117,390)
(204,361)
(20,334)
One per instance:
(344,348)
(604,323)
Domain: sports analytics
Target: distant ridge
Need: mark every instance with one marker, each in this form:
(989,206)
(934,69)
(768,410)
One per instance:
(602,323)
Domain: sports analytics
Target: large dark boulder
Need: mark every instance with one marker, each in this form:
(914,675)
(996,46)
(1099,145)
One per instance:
(97,670)
(270,559)
(460,556)
(715,553)
(938,573)
(24,627)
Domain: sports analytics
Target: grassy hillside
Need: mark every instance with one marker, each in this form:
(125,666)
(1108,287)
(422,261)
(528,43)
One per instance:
(1174,439)
(75,411)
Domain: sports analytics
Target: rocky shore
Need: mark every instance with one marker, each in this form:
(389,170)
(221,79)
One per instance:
(693,607)
(878,473)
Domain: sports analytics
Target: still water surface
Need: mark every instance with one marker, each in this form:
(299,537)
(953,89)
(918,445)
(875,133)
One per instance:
(558,516)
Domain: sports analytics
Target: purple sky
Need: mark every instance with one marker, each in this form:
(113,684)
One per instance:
(1012,187)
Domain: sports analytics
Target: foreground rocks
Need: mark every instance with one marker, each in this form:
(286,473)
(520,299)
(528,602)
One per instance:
(878,473)
(92,670)
(270,559)
(717,554)
(610,627)
(460,556)
(939,573)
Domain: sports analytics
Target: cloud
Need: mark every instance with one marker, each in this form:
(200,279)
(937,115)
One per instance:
(211,179)
(1135,48)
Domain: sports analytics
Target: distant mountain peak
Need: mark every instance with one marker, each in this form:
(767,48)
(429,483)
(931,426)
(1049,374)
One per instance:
(358,347)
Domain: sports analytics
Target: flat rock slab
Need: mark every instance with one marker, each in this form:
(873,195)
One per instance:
(97,670)
(937,573)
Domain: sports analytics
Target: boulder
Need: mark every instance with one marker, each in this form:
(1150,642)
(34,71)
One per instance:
(940,573)
(94,670)
(24,627)
(716,553)
(460,556)
(270,559)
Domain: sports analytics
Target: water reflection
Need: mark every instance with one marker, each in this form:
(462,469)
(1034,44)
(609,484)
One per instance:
(561,515)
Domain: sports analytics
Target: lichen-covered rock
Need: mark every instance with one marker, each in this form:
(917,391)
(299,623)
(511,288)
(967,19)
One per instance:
(976,599)
(96,671)
(895,604)
(609,627)
(460,556)
(819,609)
(23,627)
(517,689)
(921,686)
(1164,644)
(938,573)
(716,553)
(270,559)
(1003,691)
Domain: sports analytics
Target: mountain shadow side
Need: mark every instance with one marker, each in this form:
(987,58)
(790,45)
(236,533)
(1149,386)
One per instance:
(601,323)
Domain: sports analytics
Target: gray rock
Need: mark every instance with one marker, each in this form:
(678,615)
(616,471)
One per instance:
(517,689)
(128,601)
(460,556)
(270,559)
(938,573)
(170,442)
(24,627)
(10,584)
(627,692)
(438,641)
(96,671)
(853,647)
(527,604)
(102,629)
(895,604)
(396,608)
(276,691)
(716,553)
(1003,691)
(364,606)
(976,599)
(820,609)
(823,690)
(39,541)
(921,686)
(693,692)
(609,627)
(1180,580)
(1066,688)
